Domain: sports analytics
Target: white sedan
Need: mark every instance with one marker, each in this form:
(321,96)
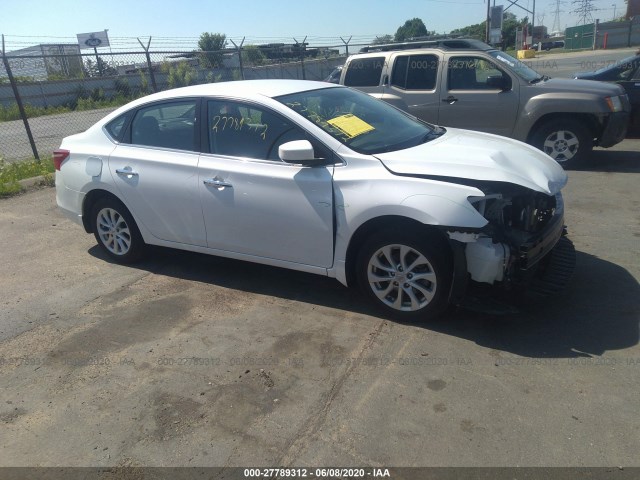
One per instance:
(318,178)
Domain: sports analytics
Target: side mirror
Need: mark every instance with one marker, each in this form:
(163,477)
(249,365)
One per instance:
(298,151)
(499,81)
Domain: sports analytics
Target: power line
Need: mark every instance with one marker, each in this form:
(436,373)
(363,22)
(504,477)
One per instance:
(583,9)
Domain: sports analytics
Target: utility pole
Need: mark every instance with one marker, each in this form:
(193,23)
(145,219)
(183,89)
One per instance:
(487,26)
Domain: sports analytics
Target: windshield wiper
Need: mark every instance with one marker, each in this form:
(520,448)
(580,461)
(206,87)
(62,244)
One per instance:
(435,133)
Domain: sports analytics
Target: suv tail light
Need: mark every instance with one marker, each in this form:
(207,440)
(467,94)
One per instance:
(59,156)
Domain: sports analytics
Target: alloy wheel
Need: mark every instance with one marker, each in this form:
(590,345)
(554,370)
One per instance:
(401,277)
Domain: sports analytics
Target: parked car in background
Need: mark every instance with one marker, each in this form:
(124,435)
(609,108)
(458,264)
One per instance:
(548,45)
(468,84)
(625,73)
(323,179)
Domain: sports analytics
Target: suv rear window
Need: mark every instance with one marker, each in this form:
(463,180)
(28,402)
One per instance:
(364,72)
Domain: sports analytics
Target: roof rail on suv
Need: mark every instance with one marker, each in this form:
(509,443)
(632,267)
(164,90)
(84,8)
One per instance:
(445,44)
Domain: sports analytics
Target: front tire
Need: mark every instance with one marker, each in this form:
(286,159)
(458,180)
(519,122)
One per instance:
(567,141)
(406,276)
(116,231)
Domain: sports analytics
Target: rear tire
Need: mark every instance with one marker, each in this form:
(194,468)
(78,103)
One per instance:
(116,231)
(407,276)
(567,141)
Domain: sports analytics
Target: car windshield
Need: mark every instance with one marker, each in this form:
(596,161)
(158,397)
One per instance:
(519,68)
(361,122)
(624,64)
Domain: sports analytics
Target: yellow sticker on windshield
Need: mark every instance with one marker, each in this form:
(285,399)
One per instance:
(350,125)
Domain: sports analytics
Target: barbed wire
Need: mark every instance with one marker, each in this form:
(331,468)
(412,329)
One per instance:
(16,42)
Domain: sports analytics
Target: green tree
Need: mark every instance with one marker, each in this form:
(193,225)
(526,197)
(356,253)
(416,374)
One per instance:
(510,24)
(99,68)
(411,28)
(211,46)
(181,74)
(252,55)
(383,40)
(474,31)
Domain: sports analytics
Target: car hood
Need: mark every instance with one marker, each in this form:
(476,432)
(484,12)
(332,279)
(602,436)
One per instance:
(572,85)
(464,154)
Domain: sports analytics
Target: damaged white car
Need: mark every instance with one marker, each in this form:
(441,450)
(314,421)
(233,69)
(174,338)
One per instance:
(322,179)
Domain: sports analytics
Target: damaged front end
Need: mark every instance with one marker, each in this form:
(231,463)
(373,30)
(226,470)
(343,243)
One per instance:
(522,247)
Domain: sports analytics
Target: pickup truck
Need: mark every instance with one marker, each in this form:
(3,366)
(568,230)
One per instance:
(468,84)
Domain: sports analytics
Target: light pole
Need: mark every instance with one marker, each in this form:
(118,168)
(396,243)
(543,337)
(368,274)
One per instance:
(614,11)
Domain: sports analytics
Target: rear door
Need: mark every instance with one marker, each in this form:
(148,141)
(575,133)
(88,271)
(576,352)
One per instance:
(155,169)
(412,84)
(468,101)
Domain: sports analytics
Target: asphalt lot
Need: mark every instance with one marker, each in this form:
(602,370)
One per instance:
(191,360)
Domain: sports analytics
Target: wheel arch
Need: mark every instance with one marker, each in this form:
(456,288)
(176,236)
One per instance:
(89,201)
(389,223)
(589,120)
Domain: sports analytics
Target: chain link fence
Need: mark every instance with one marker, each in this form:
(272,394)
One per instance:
(52,91)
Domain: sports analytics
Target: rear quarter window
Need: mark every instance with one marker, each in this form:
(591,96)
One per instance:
(364,72)
(115,128)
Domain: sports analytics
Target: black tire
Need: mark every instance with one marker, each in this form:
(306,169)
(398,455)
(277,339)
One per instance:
(116,231)
(403,296)
(555,138)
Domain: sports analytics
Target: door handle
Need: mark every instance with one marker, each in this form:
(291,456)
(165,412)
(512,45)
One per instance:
(450,100)
(126,171)
(215,182)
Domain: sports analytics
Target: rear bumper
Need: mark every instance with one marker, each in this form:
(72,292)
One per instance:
(615,129)
(69,201)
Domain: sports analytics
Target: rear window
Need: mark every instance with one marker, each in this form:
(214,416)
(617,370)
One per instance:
(364,72)
(115,126)
(415,72)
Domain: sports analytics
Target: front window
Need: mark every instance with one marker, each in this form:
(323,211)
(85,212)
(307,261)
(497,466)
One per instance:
(519,68)
(366,125)
(245,130)
(472,73)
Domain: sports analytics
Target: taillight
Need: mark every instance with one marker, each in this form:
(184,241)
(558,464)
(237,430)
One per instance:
(59,156)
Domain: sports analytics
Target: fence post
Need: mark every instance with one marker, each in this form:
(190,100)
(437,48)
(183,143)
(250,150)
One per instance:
(304,75)
(16,94)
(239,48)
(98,63)
(346,44)
(149,66)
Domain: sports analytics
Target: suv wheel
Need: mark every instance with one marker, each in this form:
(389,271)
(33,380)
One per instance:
(405,275)
(116,231)
(567,141)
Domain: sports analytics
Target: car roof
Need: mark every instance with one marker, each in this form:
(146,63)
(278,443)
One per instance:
(446,44)
(245,89)
(242,88)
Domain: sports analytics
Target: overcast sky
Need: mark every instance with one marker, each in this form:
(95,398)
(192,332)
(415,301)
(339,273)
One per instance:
(180,22)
